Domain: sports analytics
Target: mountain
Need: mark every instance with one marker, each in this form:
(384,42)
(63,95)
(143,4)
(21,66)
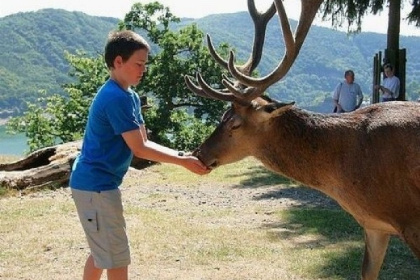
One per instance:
(321,63)
(33,45)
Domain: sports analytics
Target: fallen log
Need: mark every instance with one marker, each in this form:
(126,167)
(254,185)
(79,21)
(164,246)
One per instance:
(47,168)
(50,167)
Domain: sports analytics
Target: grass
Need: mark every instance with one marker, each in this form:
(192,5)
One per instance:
(231,224)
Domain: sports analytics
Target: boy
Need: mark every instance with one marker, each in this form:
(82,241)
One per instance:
(114,132)
(391,86)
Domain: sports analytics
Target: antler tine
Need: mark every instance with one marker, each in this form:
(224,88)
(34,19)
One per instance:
(292,45)
(243,96)
(212,93)
(307,15)
(209,92)
(247,94)
(260,26)
(257,86)
(214,54)
(193,87)
(260,23)
(237,93)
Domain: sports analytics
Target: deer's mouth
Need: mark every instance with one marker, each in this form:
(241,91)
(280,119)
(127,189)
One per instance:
(209,163)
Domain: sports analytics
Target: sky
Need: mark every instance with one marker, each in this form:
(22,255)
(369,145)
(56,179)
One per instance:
(187,8)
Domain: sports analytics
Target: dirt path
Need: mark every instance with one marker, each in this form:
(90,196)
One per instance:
(219,195)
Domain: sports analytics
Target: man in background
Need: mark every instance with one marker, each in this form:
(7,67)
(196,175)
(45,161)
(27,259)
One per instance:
(347,96)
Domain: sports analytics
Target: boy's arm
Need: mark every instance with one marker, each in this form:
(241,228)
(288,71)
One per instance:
(143,148)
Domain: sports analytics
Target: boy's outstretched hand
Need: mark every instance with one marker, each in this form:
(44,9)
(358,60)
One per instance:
(195,165)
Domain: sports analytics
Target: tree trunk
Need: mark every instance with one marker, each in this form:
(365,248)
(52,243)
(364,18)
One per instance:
(393,54)
(394,23)
(48,167)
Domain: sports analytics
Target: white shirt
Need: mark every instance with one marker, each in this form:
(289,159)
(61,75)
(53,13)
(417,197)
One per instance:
(348,95)
(393,84)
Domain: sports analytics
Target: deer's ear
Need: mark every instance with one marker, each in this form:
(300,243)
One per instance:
(276,108)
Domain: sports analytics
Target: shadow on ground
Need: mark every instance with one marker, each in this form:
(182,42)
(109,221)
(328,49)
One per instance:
(316,213)
(259,177)
(337,229)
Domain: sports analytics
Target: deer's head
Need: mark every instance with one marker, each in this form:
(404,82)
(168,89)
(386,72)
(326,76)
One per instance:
(250,114)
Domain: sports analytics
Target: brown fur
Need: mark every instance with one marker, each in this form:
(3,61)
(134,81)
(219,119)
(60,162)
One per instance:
(367,160)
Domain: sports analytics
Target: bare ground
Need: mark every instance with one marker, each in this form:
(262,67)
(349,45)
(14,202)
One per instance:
(59,251)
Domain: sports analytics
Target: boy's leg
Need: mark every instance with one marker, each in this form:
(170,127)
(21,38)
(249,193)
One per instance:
(101,214)
(91,272)
(120,273)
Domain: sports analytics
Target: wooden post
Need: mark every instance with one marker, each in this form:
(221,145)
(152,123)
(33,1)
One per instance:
(401,73)
(377,77)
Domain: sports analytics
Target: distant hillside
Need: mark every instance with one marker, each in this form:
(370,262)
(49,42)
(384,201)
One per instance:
(321,63)
(33,44)
(32,50)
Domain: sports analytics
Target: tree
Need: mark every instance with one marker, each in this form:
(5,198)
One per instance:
(59,119)
(62,118)
(178,118)
(178,52)
(339,11)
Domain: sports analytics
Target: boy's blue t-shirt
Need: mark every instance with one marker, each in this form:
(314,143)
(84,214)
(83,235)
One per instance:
(105,157)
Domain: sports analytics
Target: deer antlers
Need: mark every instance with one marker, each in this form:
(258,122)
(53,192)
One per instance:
(247,88)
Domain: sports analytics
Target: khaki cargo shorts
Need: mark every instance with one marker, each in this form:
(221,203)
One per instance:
(101,215)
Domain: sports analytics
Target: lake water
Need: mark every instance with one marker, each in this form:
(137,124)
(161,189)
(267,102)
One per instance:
(12,144)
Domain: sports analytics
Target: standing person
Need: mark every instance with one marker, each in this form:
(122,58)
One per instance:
(347,95)
(115,131)
(391,85)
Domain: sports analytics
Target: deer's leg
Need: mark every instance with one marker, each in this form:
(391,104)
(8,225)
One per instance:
(376,243)
(411,235)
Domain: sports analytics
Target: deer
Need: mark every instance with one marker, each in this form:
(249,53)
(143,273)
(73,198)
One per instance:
(354,157)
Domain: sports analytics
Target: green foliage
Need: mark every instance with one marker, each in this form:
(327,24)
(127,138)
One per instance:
(413,91)
(153,18)
(62,118)
(179,52)
(191,133)
(352,12)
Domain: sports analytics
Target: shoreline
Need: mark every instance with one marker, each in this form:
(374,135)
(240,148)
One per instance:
(4,121)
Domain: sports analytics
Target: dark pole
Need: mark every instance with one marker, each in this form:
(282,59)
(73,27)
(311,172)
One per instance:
(393,53)
(394,22)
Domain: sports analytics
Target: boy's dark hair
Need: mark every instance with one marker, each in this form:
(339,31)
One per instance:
(388,65)
(123,43)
